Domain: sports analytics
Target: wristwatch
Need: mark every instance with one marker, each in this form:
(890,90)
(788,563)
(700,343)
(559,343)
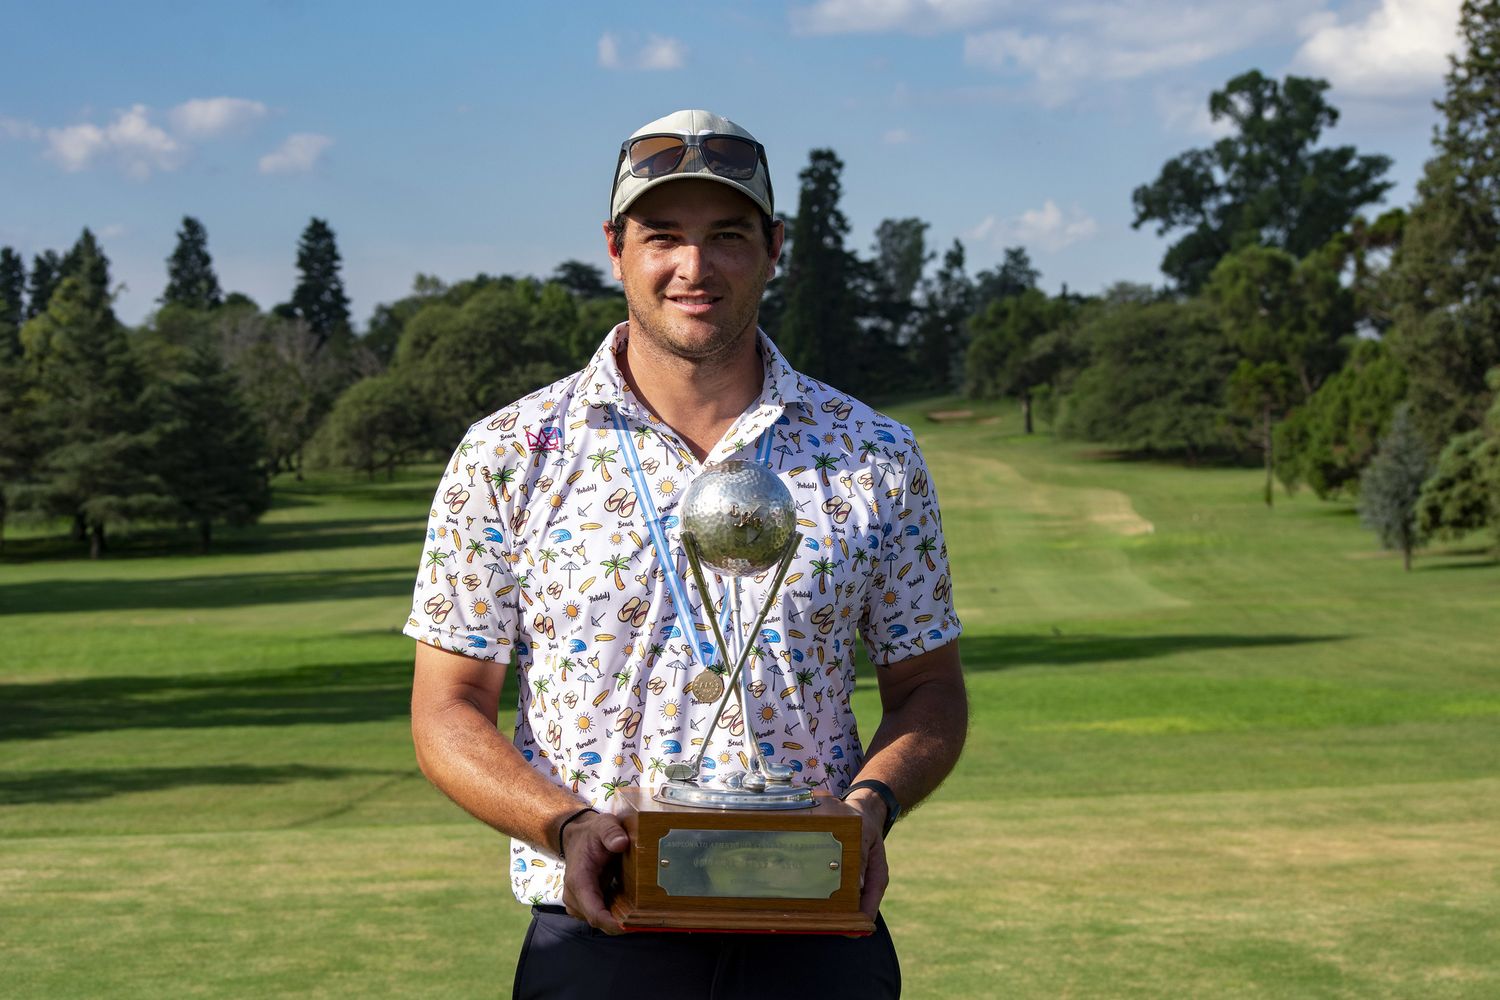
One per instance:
(880,788)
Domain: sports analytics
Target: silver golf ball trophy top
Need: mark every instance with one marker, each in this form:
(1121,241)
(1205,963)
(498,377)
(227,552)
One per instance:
(738,519)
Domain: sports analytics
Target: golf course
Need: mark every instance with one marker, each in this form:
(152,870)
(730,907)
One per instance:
(1217,750)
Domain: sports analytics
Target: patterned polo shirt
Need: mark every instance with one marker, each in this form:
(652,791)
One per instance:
(539,547)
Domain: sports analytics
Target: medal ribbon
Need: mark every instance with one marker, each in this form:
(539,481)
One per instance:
(664,551)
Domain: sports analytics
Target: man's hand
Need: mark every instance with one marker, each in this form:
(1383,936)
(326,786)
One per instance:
(876,874)
(590,843)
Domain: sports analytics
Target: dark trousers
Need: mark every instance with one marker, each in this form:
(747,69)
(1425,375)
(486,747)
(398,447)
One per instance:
(564,958)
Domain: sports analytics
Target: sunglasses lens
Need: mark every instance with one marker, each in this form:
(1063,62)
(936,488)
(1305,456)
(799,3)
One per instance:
(731,157)
(656,155)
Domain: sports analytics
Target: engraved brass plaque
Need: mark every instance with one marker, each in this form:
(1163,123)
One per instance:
(768,864)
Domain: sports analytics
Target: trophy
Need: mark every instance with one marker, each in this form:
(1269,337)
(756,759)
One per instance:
(747,851)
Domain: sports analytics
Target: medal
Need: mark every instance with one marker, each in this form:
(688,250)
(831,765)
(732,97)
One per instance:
(706,687)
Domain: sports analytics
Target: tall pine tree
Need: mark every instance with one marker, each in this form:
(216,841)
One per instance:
(319,298)
(94,452)
(12,299)
(45,268)
(191,281)
(817,325)
(1446,274)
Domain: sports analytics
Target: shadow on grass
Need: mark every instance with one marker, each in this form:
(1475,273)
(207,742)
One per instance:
(311,695)
(81,785)
(990,652)
(210,590)
(294,536)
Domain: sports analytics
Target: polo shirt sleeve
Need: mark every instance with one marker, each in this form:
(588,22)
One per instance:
(466,595)
(909,606)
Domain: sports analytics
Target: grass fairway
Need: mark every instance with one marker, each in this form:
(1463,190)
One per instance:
(1217,750)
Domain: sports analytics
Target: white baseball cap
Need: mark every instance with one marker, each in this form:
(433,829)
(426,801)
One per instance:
(695,145)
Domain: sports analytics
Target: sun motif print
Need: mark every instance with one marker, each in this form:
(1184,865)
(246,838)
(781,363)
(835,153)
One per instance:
(538,552)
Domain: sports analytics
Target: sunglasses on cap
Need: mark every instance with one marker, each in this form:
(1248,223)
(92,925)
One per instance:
(659,154)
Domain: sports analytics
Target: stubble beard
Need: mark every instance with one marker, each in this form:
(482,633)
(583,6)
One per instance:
(719,350)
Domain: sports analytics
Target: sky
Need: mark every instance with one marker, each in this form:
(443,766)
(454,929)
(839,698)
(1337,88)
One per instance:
(457,138)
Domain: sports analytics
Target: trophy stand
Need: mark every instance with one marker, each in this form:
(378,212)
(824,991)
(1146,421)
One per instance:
(753,852)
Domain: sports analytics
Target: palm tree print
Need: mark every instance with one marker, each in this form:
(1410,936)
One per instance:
(823,463)
(601,460)
(576,776)
(547,556)
(502,480)
(476,548)
(804,677)
(617,564)
(435,558)
(610,787)
(822,570)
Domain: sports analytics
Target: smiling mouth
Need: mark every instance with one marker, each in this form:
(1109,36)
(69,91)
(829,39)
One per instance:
(693,303)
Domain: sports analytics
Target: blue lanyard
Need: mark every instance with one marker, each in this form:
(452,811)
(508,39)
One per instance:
(664,552)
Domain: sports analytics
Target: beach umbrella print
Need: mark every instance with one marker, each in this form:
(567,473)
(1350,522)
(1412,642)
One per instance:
(570,568)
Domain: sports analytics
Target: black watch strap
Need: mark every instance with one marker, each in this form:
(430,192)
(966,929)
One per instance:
(880,788)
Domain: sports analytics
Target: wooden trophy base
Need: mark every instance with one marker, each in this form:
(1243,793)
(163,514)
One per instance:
(760,871)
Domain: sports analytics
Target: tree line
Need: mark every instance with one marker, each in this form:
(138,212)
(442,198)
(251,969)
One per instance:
(1354,356)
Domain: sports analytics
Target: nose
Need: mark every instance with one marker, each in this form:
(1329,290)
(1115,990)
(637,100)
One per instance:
(693,262)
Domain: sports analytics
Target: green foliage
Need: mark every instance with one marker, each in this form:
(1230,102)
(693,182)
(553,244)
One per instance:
(45,275)
(1004,358)
(1155,380)
(95,453)
(319,298)
(817,325)
(377,423)
(285,377)
(205,445)
(1329,438)
(1463,495)
(1263,184)
(1392,482)
(191,281)
(1013,276)
(12,301)
(939,340)
(1446,275)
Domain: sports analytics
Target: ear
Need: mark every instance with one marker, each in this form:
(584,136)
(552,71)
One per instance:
(614,256)
(778,237)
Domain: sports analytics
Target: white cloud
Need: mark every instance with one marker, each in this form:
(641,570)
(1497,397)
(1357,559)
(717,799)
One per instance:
(1046,227)
(132,139)
(207,116)
(841,17)
(298,154)
(1399,49)
(896,136)
(14,128)
(1187,112)
(657,52)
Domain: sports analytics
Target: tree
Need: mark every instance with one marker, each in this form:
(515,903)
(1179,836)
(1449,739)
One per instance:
(206,447)
(12,300)
(319,298)
(45,268)
(940,340)
(817,324)
(95,457)
(287,382)
(1463,494)
(191,281)
(1012,277)
(375,424)
(1330,437)
(1446,273)
(586,281)
(1391,484)
(1155,380)
(883,291)
(1001,360)
(1264,184)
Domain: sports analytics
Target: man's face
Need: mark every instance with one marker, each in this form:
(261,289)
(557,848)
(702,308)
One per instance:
(694,263)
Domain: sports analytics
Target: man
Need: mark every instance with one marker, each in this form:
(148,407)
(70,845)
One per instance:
(551,540)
